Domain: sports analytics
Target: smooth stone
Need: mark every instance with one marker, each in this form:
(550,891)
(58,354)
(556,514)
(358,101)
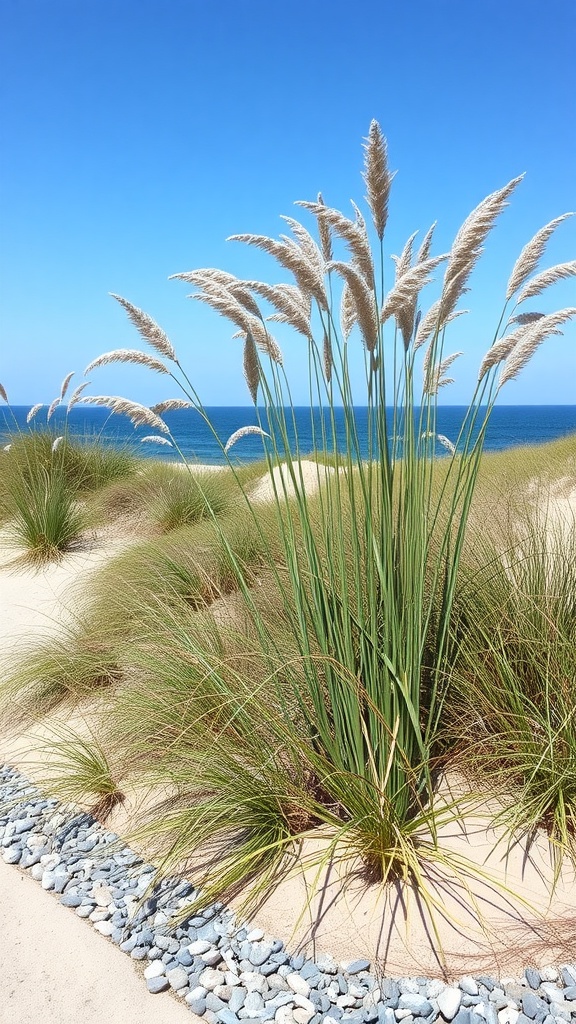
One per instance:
(70,900)
(298,984)
(199,946)
(155,985)
(236,1000)
(210,977)
(417,1004)
(154,969)
(253,1003)
(104,927)
(355,966)
(449,1002)
(212,957)
(227,1016)
(532,977)
(177,977)
(508,1015)
(12,854)
(549,974)
(534,1006)
(197,1004)
(260,953)
(468,985)
(184,957)
(552,992)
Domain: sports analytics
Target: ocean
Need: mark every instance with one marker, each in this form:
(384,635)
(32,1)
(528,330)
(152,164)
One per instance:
(510,426)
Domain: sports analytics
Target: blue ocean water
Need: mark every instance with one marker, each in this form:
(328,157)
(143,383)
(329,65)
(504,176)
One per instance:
(510,426)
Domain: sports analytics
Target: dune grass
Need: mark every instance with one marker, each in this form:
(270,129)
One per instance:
(513,708)
(288,667)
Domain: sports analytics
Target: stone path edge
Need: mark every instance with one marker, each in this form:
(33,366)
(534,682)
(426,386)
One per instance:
(233,974)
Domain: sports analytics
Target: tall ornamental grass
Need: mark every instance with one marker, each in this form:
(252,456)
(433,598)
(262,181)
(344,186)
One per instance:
(338,725)
(513,712)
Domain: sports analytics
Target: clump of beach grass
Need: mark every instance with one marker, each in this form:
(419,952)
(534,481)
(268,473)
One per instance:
(337,718)
(512,708)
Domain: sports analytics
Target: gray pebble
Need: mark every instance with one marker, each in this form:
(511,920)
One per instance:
(532,977)
(156,985)
(177,978)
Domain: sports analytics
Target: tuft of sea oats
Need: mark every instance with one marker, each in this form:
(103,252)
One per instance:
(65,383)
(531,255)
(243,432)
(140,415)
(3,395)
(363,296)
(532,337)
(377,177)
(545,279)
(156,439)
(170,405)
(35,409)
(75,396)
(251,366)
(127,355)
(147,328)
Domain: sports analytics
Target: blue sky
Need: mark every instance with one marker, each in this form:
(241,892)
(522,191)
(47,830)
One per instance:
(136,135)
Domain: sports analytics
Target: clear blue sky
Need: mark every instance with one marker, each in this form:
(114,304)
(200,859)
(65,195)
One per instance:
(136,135)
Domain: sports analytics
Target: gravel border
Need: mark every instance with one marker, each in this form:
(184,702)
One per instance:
(228,973)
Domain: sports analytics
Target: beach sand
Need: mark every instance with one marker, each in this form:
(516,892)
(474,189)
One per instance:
(55,966)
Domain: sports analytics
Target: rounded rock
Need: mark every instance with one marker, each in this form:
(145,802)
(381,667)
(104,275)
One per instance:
(298,984)
(155,985)
(449,1002)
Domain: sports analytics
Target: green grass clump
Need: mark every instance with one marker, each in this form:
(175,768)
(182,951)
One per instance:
(513,706)
(44,515)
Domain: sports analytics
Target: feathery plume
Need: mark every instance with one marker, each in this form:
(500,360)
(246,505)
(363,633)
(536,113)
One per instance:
(431,323)
(292,258)
(500,350)
(127,355)
(525,318)
(140,415)
(147,328)
(545,279)
(74,397)
(243,432)
(404,261)
(327,357)
(363,300)
(441,438)
(65,384)
(531,255)
(35,409)
(467,245)
(204,274)
(533,336)
(220,299)
(52,408)
(251,366)
(447,443)
(352,232)
(307,244)
(404,293)
(424,250)
(170,405)
(324,232)
(377,177)
(435,378)
(156,439)
(290,303)
(347,312)
(57,442)
(6,447)
(4,396)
